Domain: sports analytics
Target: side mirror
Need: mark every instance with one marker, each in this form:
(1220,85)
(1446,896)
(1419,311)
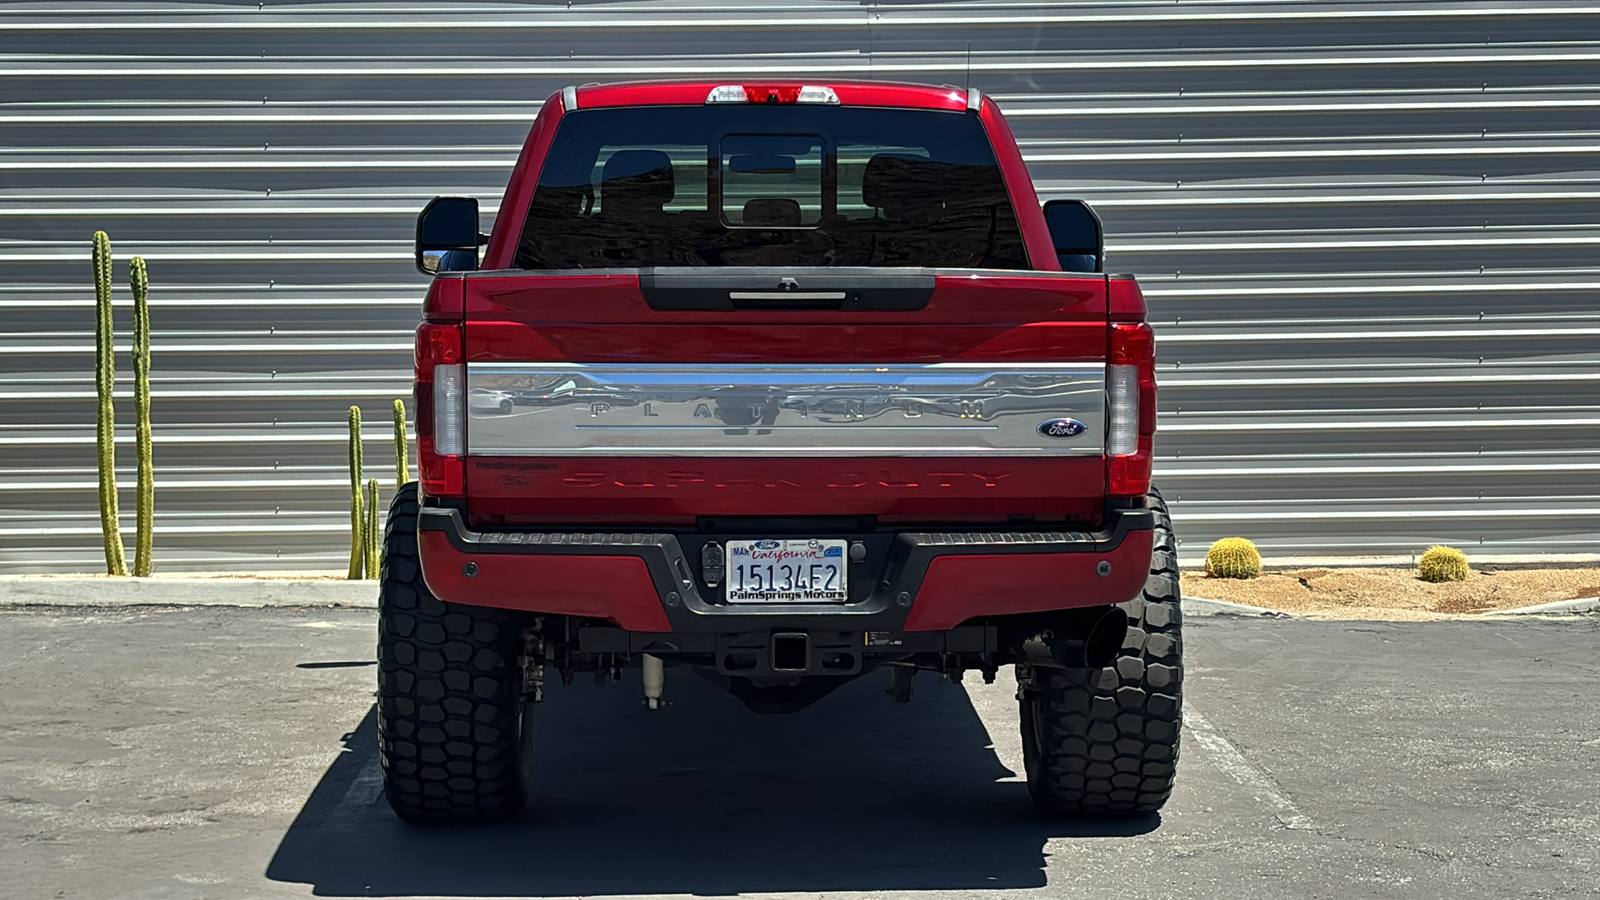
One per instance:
(447,236)
(1075,231)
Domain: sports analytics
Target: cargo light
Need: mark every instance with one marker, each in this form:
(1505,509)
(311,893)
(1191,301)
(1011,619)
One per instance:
(772,94)
(441,410)
(1131,398)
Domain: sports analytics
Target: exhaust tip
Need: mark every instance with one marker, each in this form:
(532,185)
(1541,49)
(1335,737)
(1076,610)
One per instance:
(1105,638)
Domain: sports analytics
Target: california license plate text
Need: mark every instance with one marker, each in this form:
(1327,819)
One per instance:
(804,571)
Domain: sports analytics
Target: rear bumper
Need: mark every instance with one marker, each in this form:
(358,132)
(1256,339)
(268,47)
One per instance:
(908,582)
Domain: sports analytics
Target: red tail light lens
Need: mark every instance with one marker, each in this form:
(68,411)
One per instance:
(1131,393)
(441,410)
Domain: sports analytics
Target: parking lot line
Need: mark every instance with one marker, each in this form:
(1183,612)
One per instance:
(1228,758)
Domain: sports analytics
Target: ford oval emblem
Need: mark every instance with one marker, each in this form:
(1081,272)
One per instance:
(767,545)
(1062,428)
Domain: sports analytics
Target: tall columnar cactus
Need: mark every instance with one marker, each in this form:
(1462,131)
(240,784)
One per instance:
(357,520)
(145,496)
(105,377)
(402,469)
(370,530)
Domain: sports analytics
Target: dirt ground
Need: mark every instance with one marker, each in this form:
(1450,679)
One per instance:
(1396,593)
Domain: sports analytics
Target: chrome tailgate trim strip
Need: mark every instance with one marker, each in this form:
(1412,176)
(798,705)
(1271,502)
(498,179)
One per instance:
(944,409)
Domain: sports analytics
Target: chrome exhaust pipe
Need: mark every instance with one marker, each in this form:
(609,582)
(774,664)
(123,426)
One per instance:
(655,679)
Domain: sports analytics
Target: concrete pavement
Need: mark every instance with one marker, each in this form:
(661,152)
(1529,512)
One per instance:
(204,752)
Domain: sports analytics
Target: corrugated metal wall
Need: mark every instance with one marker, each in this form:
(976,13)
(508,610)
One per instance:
(1368,231)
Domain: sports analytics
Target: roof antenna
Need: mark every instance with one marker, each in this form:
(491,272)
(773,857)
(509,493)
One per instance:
(968,85)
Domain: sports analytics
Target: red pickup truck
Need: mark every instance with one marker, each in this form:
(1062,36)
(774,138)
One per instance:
(777,385)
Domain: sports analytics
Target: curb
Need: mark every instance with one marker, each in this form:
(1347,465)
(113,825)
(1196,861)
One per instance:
(1558,608)
(245,592)
(24,590)
(1275,562)
(1201,607)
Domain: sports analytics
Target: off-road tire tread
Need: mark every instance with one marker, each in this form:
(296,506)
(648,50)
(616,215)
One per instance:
(1104,742)
(449,692)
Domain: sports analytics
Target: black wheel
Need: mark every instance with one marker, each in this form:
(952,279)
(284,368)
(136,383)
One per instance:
(1104,742)
(505,407)
(453,729)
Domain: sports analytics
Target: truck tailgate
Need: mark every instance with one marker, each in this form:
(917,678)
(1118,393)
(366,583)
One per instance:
(903,395)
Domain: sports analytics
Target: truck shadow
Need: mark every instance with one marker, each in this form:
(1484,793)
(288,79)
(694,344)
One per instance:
(856,793)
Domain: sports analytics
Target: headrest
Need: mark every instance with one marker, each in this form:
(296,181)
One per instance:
(637,177)
(900,182)
(772,212)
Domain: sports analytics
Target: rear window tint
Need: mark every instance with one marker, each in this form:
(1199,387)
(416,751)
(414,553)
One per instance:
(766,185)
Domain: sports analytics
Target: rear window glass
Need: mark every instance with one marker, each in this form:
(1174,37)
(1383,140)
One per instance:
(764,185)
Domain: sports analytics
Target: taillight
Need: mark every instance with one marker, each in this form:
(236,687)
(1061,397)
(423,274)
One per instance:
(441,402)
(1122,387)
(1131,398)
(449,425)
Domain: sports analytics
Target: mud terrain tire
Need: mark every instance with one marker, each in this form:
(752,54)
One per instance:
(452,735)
(1104,742)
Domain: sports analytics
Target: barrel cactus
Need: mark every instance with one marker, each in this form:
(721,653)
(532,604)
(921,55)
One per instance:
(358,549)
(1233,558)
(1443,564)
(105,382)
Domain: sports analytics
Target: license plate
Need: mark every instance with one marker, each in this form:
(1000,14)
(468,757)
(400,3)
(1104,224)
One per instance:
(803,571)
